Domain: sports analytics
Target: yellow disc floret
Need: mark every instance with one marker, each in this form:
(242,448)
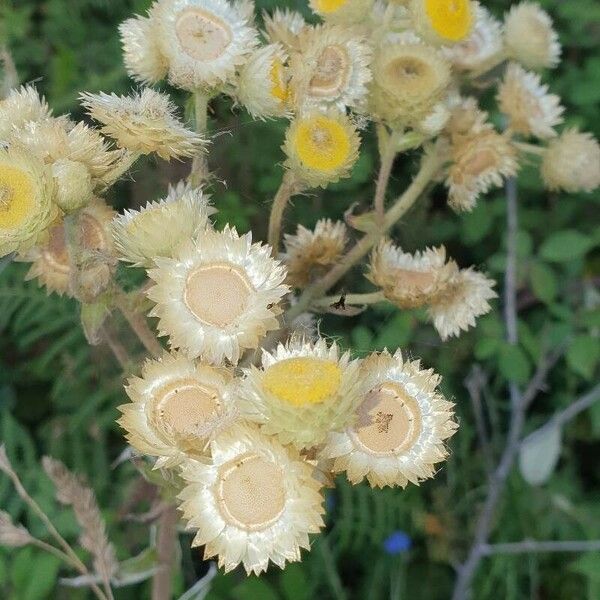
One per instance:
(279,88)
(303,380)
(329,6)
(443,21)
(16,196)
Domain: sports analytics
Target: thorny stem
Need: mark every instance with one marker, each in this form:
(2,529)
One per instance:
(354,299)
(199,171)
(68,551)
(429,168)
(284,193)
(166,546)
(138,324)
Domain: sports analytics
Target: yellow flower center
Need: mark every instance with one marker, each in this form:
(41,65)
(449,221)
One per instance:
(331,74)
(202,35)
(303,380)
(389,421)
(322,143)
(279,87)
(217,294)
(450,19)
(16,197)
(250,492)
(330,6)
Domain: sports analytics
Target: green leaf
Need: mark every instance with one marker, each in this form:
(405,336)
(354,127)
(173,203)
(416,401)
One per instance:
(294,583)
(582,355)
(514,364)
(565,246)
(45,567)
(486,347)
(543,282)
(254,588)
(539,455)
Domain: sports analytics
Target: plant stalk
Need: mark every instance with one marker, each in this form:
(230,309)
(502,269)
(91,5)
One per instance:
(284,193)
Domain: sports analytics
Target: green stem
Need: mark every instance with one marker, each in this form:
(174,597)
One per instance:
(199,171)
(354,299)
(387,154)
(280,202)
(138,324)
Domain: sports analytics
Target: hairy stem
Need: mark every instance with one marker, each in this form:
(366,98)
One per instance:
(138,324)
(429,168)
(166,547)
(199,171)
(284,193)
(119,351)
(355,299)
(387,155)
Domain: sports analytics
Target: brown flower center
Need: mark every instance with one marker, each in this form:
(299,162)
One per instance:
(202,35)
(389,421)
(217,294)
(250,492)
(331,73)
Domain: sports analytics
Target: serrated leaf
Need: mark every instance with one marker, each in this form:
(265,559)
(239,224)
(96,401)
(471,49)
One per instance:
(543,282)
(565,246)
(583,354)
(539,455)
(514,364)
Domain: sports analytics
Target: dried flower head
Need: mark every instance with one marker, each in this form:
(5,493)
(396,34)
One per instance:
(21,106)
(262,85)
(143,123)
(409,79)
(176,407)
(443,22)
(308,252)
(531,110)
(302,391)
(572,162)
(26,193)
(402,424)
(204,41)
(74,185)
(331,68)
(321,147)
(11,535)
(345,12)
(253,502)
(483,43)
(51,263)
(462,300)
(530,38)
(218,295)
(159,228)
(410,280)
(283,26)
(479,162)
(466,118)
(141,50)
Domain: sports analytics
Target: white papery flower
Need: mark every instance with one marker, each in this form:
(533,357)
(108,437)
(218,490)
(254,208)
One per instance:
(159,228)
(19,107)
(176,407)
(283,27)
(302,391)
(344,12)
(402,424)
(531,110)
(204,41)
(253,502)
(331,68)
(218,295)
(463,299)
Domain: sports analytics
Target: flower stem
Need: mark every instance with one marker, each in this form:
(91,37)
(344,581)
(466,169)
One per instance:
(138,324)
(284,193)
(166,546)
(199,171)
(388,154)
(429,168)
(354,299)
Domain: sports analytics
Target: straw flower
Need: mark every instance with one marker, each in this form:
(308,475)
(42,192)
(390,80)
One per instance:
(409,79)
(253,502)
(19,107)
(204,41)
(176,407)
(302,391)
(331,68)
(51,264)
(410,280)
(74,185)
(461,301)
(262,86)
(308,253)
(479,162)
(401,427)
(344,12)
(525,100)
(530,37)
(321,147)
(143,123)
(443,22)
(141,50)
(218,295)
(572,162)
(26,193)
(483,43)
(158,229)
(283,26)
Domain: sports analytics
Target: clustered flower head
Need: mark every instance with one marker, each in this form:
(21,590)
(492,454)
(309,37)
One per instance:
(253,416)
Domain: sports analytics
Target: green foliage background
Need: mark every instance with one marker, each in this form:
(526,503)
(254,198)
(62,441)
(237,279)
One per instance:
(58,396)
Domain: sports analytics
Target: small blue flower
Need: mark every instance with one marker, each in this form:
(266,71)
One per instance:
(397,542)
